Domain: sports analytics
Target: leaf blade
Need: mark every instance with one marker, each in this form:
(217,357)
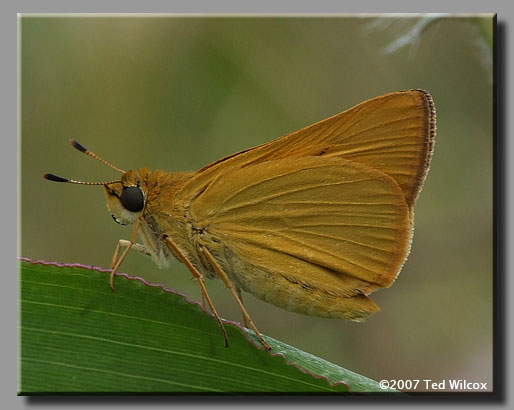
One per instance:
(77,337)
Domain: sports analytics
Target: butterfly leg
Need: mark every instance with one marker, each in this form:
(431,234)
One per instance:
(193,279)
(235,293)
(238,291)
(199,278)
(115,264)
(136,246)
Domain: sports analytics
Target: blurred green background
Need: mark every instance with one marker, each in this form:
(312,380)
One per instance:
(177,93)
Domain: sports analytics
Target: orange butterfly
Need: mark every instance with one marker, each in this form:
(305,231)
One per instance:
(312,222)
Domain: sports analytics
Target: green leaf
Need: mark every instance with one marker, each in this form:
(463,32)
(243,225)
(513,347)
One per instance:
(78,337)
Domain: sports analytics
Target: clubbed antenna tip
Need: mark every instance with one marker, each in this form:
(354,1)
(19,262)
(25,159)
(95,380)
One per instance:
(55,178)
(78,146)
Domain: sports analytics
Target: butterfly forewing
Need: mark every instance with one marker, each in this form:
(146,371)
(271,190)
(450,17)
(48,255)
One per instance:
(393,133)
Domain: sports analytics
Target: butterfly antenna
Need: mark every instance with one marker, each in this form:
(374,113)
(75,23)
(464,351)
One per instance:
(56,178)
(83,149)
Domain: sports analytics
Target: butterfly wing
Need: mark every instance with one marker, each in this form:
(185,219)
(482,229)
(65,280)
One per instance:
(334,225)
(393,133)
(326,210)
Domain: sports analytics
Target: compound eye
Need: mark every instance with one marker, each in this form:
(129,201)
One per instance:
(132,199)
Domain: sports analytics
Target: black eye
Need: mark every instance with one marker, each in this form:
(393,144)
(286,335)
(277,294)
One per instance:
(132,199)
